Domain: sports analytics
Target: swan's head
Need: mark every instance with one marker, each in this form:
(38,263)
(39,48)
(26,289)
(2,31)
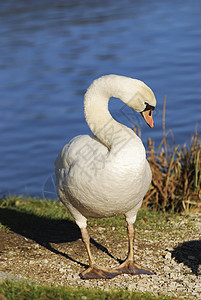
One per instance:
(142,100)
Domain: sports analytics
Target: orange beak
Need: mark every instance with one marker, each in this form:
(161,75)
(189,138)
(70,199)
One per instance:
(147,115)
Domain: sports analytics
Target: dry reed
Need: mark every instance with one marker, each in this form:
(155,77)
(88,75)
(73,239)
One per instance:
(176,174)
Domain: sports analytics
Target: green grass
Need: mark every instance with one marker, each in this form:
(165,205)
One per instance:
(52,213)
(13,290)
(40,207)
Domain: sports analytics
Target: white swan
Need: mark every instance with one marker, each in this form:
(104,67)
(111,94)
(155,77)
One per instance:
(107,174)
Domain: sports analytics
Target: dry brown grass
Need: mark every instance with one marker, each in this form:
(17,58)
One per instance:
(176,174)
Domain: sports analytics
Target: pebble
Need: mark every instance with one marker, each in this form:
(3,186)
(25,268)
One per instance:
(62,270)
(44,261)
(166,269)
(168,256)
(173,262)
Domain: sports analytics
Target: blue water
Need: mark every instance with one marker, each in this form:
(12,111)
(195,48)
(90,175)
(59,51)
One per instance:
(50,51)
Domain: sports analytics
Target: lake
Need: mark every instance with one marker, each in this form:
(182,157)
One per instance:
(50,52)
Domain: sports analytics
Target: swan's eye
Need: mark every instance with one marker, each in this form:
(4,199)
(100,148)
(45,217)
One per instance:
(148,107)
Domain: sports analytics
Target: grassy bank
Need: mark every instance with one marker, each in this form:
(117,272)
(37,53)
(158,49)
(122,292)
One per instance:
(37,230)
(34,218)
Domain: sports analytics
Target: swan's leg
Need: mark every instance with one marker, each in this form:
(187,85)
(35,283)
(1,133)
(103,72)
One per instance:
(129,266)
(95,271)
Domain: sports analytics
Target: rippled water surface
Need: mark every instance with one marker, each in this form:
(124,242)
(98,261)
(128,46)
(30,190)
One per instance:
(50,51)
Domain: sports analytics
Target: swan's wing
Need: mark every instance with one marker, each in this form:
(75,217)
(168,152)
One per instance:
(80,154)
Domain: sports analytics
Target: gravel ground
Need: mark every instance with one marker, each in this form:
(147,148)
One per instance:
(174,255)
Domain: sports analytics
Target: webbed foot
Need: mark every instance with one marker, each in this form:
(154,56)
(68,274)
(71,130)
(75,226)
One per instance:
(129,267)
(98,272)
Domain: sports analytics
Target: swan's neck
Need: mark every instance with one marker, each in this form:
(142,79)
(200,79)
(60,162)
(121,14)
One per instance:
(98,117)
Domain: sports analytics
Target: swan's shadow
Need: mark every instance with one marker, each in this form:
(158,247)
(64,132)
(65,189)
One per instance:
(45,231)
(189,253)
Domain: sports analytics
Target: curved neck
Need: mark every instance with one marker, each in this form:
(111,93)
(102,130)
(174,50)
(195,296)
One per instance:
(97,115)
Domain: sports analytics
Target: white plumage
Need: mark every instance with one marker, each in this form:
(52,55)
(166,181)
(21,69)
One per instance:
(107,173)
